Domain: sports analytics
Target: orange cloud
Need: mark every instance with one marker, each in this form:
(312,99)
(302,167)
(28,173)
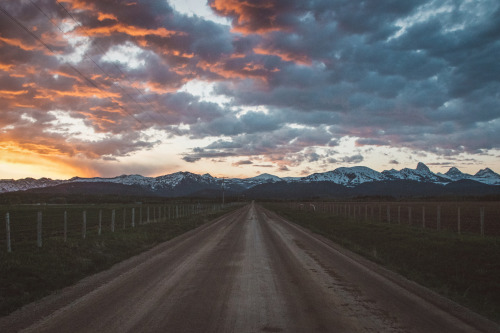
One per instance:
(106,16)
(80,5)
(182,54)
(5,67)
(105,109)
(249,17)
(157,88)
(12,93)
(292,57)
(61,73)
(29,106)
(129,30)
(19,43)
(249,69)
(87,92)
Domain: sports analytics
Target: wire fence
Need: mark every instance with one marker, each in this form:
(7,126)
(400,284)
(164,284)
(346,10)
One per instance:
(482,218)
(26,225)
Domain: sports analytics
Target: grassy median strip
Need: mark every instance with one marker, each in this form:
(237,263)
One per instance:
(30,273)
(464,268)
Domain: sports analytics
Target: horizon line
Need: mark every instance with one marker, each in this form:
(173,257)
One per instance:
(263,173)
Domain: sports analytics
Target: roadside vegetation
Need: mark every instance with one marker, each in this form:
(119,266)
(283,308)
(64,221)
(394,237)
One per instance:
(29,272)
(464,268)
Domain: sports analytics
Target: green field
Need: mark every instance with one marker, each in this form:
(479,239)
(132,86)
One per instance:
(464,268)
(30,272)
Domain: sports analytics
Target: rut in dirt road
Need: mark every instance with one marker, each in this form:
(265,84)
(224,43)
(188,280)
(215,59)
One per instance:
(249,271)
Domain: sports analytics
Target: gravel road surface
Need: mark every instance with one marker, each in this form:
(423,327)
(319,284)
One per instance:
(250,271)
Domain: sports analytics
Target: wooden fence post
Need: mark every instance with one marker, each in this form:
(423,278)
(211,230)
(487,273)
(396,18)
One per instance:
(481,221)
(99,228)
(140,215)
(7,227)
(124,216)
(133,217)
(423,217)
(65,226)
(399,214)
(84,225)
(438,218)
(388,214)
(409,215)
(147,221)
(458,221)
(39,229)
(113,220)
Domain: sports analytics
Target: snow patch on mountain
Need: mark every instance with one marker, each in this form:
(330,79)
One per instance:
(487,176)
(455,174)
(346,176)
(265,177)
(11,185)
(421,174)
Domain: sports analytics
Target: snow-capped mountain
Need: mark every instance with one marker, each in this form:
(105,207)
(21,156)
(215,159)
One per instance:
(123,179)
(485,176)
(421,174)
(251,182)
(266,178)
(10,185)
(455,174)
(346,176)
(186,183)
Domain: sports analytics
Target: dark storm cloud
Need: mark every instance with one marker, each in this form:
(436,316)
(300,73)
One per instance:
(417,74)
(394,67)
(354,159)
(202,153)
(242,162)
(283,146)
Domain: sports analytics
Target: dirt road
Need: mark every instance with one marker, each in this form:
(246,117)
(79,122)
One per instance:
(247,272)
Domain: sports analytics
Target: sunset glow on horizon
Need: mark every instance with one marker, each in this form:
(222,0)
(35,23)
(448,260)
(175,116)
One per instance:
(235,88)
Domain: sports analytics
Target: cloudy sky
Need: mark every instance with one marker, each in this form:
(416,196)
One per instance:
(238,88)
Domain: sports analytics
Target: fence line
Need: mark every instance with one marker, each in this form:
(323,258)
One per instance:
(63,222)
(481,218)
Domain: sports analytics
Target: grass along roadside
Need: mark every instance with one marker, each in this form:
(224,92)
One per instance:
(464,268)
(30,273)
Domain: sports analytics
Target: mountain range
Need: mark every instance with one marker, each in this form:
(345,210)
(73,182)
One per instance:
(343,181)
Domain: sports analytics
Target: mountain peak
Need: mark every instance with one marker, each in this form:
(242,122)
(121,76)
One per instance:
(349,176)
(487,172)
(422,167)
(266,176)
(453,171)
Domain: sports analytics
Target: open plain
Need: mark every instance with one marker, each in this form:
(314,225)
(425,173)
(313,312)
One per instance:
(249,271)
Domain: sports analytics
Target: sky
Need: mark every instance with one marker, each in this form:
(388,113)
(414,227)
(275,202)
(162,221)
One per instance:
(237,88)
